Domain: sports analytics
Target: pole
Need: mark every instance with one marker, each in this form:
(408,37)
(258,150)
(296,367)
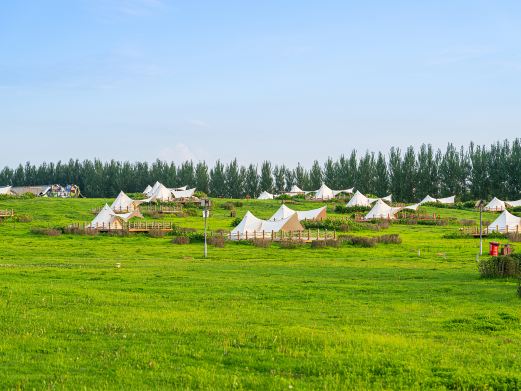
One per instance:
(205,218)
(481,228)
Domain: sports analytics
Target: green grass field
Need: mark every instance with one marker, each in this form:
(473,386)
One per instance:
(414,315)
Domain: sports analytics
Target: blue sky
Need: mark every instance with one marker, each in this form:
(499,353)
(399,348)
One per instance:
(287,81)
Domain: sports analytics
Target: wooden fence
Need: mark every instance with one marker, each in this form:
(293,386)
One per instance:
(138,226)
(6,213)
(300,236)
(474,231)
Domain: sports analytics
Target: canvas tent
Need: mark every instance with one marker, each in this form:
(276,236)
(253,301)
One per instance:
(184,193)
(252,227)
(495,205)
(147,190)
(124,203)
(514,204)
(295,190)
(108,219)
(428,198)
(506,222)
(381,210)
(6,190)
(359,200)
(161,193)
(265,196)
(412,207)
(284,212)
(325,193)
(447,200)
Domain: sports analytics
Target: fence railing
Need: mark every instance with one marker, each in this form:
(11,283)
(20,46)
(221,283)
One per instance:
(302,236)
(138,226)
(487,230)
(7,213)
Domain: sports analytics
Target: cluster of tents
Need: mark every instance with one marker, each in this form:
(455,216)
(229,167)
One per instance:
(57,191)
(160,192)
(284,219)
(323,194)
(497,205)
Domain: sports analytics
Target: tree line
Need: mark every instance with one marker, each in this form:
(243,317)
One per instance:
(471,172)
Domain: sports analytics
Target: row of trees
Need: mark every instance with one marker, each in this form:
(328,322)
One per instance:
(471,173)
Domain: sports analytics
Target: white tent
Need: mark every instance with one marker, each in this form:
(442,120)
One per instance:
(183,193)
(265,196)
(506,222)
(180,188)
(124,203)
(447,200)
(284,212)
(107,218)
(495,205)
(428,198)
(147,190)
(324,193)
(252,227)
(381,211)
(359,200)
(513,204)
(295,190)
(412,207)
(161,193)
(347,191)
(6,190)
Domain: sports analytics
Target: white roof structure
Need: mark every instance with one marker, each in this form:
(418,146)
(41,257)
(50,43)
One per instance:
(447,200)
(6,190)
(265,196)
(147,190)
(413,206)
(180,188)
(360,200)
(107,218)
(428,198)
(161,193)
(183,193)
(252,227)
(495,205)
(284,212)
(296,190)
(324,193)
(124,202)
(381,211)
(506,222)
(513,204)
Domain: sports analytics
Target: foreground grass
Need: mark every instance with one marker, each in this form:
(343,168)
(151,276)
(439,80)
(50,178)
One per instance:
(383,318)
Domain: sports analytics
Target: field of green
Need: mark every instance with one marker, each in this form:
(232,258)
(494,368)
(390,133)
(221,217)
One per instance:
(414,315)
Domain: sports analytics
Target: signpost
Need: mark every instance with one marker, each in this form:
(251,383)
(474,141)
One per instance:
(206,213)
(480,204)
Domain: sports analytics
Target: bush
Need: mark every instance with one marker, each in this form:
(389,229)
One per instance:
(120,233)
(80,231)
(284,197)
(46,231)
(24,218)
(217,241)
(290,244)
(352,209)
(228,206)
(318,244)
(233,213)
(235,222)
(264,243)
(389,239)
(361,241)
(467,222)
(514,237)
(502,266)
(154,214)
(156,233)
(181,240)
(332,243)
(200,194)
(192,212)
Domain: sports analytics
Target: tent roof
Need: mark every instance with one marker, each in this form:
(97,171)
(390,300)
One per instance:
(265,196)
(506,221)
(5,190)
(381,211)
(447,200)
(495,204)
(122,201)
(428,198)
(284,212)
(183,193)
(359,200)
(513,204)
(147,190)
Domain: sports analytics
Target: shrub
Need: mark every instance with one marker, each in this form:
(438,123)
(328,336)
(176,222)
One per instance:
(154,214)
(46,231)
(284,197)
(318,244)
(264,243)
(233,213)
(192,212)
(120,233)
(361,241)
(228,206)
(238,204)
(290,244)
(23,218)
(502,266)
(389,239)
(332,243)
(235,222)
(156,233)
(352,209)
(200,194)
(467,222)
(181,240)
(514,237)
(217,241)
(80,231)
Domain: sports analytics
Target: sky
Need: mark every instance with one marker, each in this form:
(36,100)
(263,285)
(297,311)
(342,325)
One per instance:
(284,80)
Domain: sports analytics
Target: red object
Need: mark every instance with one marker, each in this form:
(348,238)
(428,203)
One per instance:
(494,249)
(506,250)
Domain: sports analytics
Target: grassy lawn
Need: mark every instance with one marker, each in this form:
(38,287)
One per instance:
(414,315)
